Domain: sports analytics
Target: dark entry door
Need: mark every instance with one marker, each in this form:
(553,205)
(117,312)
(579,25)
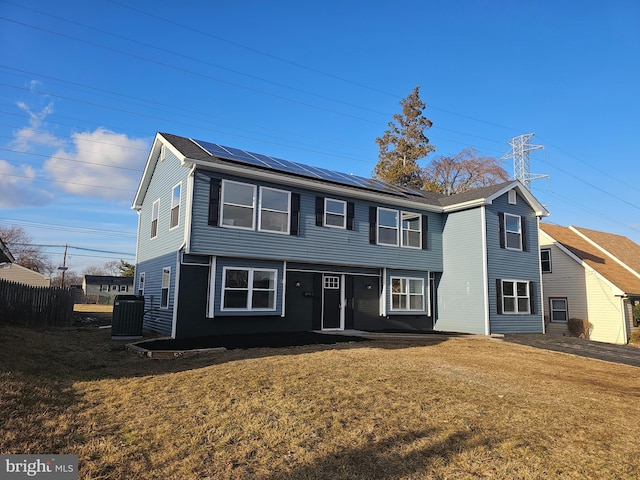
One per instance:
(331,302)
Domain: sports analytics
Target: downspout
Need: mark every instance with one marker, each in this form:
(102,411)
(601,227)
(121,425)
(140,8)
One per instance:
(485,270)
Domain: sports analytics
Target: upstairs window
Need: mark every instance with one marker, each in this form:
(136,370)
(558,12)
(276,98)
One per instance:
(411,230)
(238,205)
(175,206)
(545,260)
(513,231)
(335,213)
(155,213)
(387,227)
(274,210)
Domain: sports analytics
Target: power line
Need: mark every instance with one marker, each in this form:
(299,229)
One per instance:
(43,245)
(69,228)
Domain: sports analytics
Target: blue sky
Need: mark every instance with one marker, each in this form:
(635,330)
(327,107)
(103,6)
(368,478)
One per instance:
(84,86)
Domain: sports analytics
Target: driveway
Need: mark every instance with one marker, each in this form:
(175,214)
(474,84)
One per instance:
(624,354)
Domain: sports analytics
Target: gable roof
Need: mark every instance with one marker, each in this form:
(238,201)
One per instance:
(232,160)
(596,254)
(5,254)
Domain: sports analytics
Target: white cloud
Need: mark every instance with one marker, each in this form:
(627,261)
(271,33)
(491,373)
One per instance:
(103,164)
(16,185)
(26,137)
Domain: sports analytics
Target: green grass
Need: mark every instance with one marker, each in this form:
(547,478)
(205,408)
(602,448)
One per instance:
(461,408)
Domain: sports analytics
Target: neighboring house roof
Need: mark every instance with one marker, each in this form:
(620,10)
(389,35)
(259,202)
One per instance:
(5,254)
(597,251)
(242,162)
(20,274)
(107,280)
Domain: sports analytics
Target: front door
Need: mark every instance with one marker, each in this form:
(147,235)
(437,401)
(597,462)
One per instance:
(332,305)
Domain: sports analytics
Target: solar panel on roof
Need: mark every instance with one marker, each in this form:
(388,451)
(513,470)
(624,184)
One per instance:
(309,171)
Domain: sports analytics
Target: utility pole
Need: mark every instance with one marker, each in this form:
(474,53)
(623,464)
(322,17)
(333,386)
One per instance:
(64,264)
(520,148)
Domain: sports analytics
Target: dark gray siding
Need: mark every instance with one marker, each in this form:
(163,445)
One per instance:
(314,244)
(157,319)
(513,265)
(462,286)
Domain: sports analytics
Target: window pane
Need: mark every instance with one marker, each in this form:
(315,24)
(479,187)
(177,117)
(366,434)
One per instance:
(238,194)
(410,238)
(235,298)
(411,221)
(274,221)
(237,279)
(523,305)
(398,285)
(333,206)
(263,299)
(264,280)
(523,290)
(415,286)
(387,236)
(398,301)
(512,223)
(334,220)
(274,200)
(558,304)
(509,305)
(175,212)
(388,218)
(513,240)
(507,288)
(175,197)
(416,302)
(237,216)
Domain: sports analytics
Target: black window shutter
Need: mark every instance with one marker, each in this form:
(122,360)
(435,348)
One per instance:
(350,216)
(214,201)
(425,231)
(501,221)
(499,296)
(295,215)
(523,229)
(319,211)
(532,297)
(373,215)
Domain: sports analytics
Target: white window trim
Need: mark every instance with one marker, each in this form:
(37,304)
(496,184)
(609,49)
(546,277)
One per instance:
(516,297)
(156,219)
(223,203)
(260,209)
(506,232)
(551,309)
(378,226)
(162,287)
(549,262)
(344,214)
(249,289)
(407,295)
(179,204)
(141,280)
(402,230)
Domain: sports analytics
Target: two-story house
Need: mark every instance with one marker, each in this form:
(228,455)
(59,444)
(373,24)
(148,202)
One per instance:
(236,242)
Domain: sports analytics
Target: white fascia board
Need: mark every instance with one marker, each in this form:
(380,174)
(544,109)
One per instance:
(617,291)
(605,251)
(319,186)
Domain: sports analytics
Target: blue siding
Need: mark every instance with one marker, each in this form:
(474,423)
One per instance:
(462,290)
(166,175)
(157,319)
(314,244)
(513,265)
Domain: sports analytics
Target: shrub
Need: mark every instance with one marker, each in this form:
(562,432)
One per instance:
(579,327)
(635,337)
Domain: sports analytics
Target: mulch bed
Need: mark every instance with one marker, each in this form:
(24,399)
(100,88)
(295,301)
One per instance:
(232,342)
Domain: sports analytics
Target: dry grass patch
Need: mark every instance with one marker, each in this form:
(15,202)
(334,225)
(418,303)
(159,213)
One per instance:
(374,410)
(92,308)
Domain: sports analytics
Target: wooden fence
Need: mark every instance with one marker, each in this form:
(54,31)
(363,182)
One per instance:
(35,306)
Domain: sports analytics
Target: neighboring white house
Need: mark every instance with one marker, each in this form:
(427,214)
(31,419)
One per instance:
(589,275)
(107,285)
(16,273)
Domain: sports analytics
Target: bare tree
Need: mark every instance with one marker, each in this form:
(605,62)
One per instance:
(461,172)
(23,250)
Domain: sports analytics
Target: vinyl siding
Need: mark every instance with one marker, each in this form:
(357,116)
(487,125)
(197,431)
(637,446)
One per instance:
(321,245)
(157,319)
(461,290)
(606,313)
(513,265)
(166,175)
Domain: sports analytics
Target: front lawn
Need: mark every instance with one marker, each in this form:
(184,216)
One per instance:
(392,409)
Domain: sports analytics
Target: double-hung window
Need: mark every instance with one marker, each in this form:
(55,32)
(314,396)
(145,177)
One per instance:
(559,310)
(164,293)
(238,205)
(249,289)
(513,231)
(155,213)
(275,209)
(407,294)
(141,284)
(175,206)
(545,260)
(387,226)
(411,230)
(335,213)
(515,297)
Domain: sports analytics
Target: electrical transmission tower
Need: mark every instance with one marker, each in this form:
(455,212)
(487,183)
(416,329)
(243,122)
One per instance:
(520,148)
